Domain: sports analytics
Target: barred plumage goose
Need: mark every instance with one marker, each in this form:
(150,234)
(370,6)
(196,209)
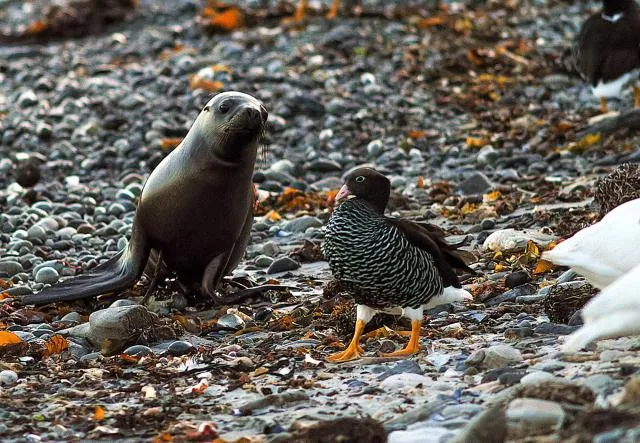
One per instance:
(607,49)
(387,263)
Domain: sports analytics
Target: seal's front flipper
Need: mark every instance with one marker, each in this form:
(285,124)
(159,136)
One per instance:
(119,272)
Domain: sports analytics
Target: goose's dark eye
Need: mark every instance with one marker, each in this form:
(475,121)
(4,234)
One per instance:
(224,107)
(360,179)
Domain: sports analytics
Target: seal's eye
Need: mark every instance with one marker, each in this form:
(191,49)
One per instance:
(224,107)
(360,178)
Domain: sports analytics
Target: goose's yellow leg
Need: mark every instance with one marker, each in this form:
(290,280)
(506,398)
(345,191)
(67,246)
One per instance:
(414,341)
(354,350)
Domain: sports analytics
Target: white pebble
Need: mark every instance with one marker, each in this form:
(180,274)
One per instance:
(8,378)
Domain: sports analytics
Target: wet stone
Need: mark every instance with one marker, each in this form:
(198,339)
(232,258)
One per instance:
(138,351)
(283,264)
(402,367)
(554,329)
(47,275)
(178,348)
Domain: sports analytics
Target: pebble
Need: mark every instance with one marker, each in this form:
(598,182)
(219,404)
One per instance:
(497,356)
(138,351)
(537,377)
(10,268)
(283,264)
(232,321)
(402,367)
(600,384)
(535,416)
(47,275)
(515,240)
(405,380)
(476,183)
(8,378)
(263,261)
(180,347)
(516,279)
(301,224)
(554,329)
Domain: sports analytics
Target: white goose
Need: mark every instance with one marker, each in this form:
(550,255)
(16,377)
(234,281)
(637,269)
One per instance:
(615,312)
(605,251)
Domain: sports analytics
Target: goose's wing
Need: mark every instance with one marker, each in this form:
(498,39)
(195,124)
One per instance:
(432,239)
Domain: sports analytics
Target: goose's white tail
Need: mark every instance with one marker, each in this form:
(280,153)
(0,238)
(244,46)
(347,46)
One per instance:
(611,326)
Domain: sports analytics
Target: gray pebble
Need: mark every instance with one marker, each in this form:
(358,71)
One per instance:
(47,275)
(138,350)
(301,224)
(283,264)
(178,348)
(10,268)
(8,378)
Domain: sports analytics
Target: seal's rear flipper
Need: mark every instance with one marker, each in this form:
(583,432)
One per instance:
(119,272)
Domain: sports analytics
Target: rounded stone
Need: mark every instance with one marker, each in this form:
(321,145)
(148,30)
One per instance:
(138,351)
(8,378)
(47,275)
(180,347)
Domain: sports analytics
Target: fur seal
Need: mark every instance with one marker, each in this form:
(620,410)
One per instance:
(195,211)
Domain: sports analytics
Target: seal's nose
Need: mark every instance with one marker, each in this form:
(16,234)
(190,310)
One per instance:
(254,117)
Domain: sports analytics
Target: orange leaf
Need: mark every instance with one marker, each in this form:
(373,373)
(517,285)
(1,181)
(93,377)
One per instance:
(9,338)
(382,331)
(168,144)
(420,183)
(198,82)
(476,142)
(4,295)
(228,20)
(499,267)
(98,415)
(273,216)
(220,68)
(416,134)
(36,27)
(163,438)
(55,345)
(491,196)
(543,266)
(259,371)
(430,21)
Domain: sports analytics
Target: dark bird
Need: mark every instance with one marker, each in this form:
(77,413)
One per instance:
(388,263)
(607,50)
(196,209)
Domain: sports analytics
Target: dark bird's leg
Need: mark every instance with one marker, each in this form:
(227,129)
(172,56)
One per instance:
(603,105)
(154,280)
(354,350)
(414,340)
(299,15)
(333,10)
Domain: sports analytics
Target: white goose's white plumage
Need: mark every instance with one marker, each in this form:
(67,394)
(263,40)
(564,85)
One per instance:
(605,251)
(615,312)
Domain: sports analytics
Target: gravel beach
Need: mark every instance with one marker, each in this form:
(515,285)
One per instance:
(473,111)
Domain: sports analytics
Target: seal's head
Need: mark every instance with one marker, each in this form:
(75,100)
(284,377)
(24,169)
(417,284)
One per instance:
(235,123)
